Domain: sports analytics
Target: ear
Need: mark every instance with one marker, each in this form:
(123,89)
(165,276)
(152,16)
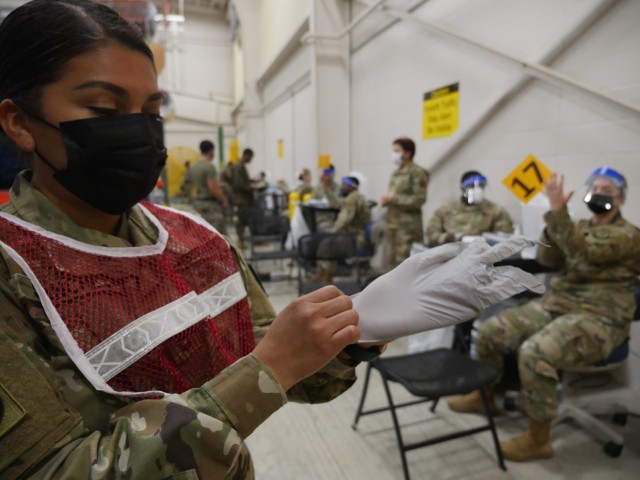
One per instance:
(14,124)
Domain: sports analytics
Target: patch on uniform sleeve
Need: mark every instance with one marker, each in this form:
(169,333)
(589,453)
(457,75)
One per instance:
(11,412)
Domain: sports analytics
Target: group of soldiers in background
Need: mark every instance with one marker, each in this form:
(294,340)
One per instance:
(578,316)
(212,195)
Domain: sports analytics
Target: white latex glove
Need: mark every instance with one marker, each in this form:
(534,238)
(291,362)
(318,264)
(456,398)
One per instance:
(443,286)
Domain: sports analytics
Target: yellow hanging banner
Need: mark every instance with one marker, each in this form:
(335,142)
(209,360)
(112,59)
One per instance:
(440,112)
(280,148)
(234,150)
(527,179)
(324,161)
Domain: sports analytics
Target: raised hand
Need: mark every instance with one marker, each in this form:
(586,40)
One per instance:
(555,191)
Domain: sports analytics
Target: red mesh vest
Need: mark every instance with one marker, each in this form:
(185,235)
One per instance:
(140,321)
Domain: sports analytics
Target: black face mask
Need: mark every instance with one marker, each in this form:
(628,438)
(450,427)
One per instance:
(113,162)
(599,204)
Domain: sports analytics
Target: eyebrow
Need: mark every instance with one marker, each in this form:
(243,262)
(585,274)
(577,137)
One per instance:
(115,89)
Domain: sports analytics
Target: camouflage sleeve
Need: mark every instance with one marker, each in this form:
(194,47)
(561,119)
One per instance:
(334,200)
(347,213)
(436,234)
(415,198)
(502,221)
(548,254)
(606,244)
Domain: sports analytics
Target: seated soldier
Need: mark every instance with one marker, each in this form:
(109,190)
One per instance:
(328,191)
(585,314)
(353,218)
(471,215)
(305,187)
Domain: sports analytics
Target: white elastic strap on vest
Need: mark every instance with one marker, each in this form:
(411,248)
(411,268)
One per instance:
(126,346)
(114,252)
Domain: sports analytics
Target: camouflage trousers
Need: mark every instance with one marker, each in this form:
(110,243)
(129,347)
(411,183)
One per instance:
(545,343)
(398,244)
(213,213)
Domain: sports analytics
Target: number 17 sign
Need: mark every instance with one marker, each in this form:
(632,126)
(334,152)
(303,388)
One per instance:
(527,179)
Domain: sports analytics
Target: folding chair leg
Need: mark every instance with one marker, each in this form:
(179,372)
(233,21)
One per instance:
(434,405)
(354,425)
(396,426)
(494,435)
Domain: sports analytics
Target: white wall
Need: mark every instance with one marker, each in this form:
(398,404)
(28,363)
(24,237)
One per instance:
(570,133)
(292,122)
(278,18)
(199,70)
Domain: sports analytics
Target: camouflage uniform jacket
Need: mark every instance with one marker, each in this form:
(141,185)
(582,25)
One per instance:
(241,185)
(200,173)
(354,216)
(409,185)
(325,220)
(458,218)
(599,265)
(304,189)
(55,425)
(331,193)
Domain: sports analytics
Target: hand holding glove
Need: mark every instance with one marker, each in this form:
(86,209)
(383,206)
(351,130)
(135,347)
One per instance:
(442,286)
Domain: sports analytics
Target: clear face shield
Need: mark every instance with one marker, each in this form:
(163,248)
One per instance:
(603,188)
(473,190)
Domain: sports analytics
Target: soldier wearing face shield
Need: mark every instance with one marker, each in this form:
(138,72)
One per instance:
(472,214)
(585,314)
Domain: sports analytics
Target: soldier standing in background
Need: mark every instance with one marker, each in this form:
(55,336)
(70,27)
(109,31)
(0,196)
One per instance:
(242,190)
(585,314)
(473,214)
(209,200)
(407,193)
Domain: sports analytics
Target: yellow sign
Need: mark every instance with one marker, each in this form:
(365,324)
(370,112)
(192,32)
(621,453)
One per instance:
(527,179)
(324,161)
(440,112)
(234,150)
(280,148)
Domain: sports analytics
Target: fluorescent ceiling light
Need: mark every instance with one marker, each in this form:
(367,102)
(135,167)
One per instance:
(170,18)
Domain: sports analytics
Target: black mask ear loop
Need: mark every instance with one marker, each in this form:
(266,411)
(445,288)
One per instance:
(50,125)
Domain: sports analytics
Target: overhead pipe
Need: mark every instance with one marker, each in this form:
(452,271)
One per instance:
(308,37)
(532,68)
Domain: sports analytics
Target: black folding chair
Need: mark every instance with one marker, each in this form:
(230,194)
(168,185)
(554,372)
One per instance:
(338,247)
(268,228)
(431,375)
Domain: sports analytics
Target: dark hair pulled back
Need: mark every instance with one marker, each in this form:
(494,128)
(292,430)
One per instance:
(39,38)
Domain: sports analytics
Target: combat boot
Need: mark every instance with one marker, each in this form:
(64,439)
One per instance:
(533,444)
(472,403)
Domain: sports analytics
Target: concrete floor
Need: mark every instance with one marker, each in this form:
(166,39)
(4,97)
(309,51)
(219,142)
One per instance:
(316,442)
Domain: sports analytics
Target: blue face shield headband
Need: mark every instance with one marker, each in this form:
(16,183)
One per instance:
(349,181)
(610,174)
(474,180)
